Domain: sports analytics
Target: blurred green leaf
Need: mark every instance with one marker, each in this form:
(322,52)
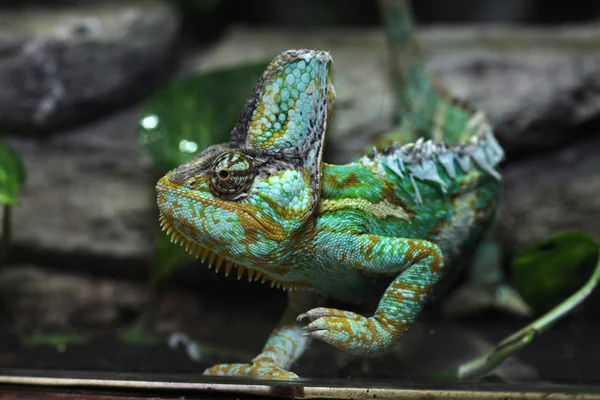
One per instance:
(555,268)
(140,335)
(195,112)
(167,257)
(53,339)
(12,178)
(12,174)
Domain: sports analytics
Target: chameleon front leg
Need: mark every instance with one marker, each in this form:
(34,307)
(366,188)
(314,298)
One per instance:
(417,265)
(284,347)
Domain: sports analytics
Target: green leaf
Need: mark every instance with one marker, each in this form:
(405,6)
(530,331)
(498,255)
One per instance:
(12,174)
(550,271)
(195,112)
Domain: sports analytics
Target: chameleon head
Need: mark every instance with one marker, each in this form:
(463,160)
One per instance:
(246,203)
(243,206)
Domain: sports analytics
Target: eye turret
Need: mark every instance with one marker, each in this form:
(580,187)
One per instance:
(232,174)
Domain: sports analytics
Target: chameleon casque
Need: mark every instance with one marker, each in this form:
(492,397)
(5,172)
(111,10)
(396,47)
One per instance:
(392,225)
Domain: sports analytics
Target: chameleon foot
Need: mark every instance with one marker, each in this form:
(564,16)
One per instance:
(348,331)
(257,369)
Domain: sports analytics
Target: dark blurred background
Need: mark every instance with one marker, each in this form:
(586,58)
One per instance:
(364,12)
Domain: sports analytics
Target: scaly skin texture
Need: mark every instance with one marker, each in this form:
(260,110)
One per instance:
(392,225)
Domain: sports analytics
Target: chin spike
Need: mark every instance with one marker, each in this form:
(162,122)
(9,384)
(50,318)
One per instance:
(228,266)
(204,254)
(178,238)
(240,271)
(250,275)
(211,258)
(219,263)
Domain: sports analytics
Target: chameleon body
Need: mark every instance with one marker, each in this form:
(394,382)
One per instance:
(392,225)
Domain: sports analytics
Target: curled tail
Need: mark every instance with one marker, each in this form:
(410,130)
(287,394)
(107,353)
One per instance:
(423,109)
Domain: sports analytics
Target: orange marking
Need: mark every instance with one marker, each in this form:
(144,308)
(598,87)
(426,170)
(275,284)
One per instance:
(420,251)
(350,180)
(373,239)
(389,194)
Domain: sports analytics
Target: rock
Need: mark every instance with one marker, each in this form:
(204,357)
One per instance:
(538,86)
(38,299)
(34,298)
(537,101)
(60,66)
(551,194)
(89,194)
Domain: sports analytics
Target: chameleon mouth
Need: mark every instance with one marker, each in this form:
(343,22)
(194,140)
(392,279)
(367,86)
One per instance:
(219,261)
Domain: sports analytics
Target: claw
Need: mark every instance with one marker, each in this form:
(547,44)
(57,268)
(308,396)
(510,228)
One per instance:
(300,317)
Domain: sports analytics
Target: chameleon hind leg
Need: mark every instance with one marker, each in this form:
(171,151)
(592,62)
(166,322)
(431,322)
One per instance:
(285,346)
(417,265)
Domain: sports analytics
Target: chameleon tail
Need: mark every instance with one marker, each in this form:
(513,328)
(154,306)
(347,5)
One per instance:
(409,75)
(423,108)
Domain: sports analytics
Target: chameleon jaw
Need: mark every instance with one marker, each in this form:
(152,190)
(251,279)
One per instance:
(206,254)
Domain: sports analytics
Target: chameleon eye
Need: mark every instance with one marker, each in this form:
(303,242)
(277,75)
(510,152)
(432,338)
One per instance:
(223,174)
(232,173)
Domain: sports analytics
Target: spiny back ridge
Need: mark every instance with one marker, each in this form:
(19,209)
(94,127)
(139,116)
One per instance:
(420,160)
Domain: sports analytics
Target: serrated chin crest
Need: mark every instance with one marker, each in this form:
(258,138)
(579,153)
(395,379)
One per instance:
(218,261)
